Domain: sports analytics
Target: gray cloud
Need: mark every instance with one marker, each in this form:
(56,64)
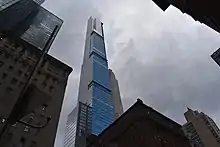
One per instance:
(161,57)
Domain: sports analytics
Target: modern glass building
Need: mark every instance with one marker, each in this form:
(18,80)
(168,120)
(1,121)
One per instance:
(95,92)
(16,9)
(37,28)
(79,125)
(31,22)
(94,87)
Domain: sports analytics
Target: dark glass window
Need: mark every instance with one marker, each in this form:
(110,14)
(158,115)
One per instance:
(19,73)
(4,75)
(101,74)
(98,44)
(41,28)
(1,63)
(14,81)
(99,59)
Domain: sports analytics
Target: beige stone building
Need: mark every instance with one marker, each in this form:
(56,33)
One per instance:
(201,130)
(45,93)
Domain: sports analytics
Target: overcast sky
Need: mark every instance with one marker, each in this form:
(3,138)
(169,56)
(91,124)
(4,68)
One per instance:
(161,57)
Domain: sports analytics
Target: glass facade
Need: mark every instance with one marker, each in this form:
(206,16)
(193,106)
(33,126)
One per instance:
(16,9)
(6,3)
(41,28)
(69,139)
(37,29)
(31,22)
(84,124)
(79,124)
(102,103)
(96,108)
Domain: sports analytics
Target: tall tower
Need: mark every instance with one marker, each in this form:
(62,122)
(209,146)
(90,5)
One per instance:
(95,110)
(94,89)
(201,130)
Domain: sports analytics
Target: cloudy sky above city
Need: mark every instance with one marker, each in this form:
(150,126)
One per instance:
(161,57)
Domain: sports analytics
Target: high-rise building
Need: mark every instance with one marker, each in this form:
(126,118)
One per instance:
(32,23)
(95,93)
(201,130)
(79,122)
(16,9)
(118,108)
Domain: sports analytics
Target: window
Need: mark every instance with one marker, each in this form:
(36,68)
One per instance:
(26,129)
(30,68)
(55,80)
(94,24)
(44,83)
(7,55)
(14,81)
(19,73)
(44,107)
(26,75)
(51,88)
(35,79)
(1,51)
(22,52)
(14,125)
(1,63)
(21,83)
(98,44)
(2,120)
(4,75)
(16,45)
(9,89)
(10,68)
(22,142)
(31,118)
(33,144)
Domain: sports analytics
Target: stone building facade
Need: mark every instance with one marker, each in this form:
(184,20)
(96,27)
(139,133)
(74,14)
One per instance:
(44,94)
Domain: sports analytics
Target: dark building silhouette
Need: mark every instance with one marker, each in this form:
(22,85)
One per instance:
(205,11)
(16,9)
(216,56)
(141,126)
(43,98)
(31,22)
(32,83)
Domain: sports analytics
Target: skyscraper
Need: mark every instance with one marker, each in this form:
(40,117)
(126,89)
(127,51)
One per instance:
(201,130)
(95,110)
(31,22)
